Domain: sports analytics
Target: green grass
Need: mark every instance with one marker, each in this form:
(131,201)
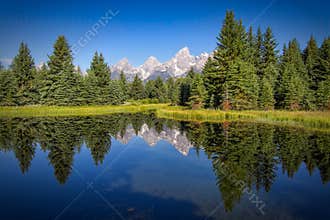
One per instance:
(58,111)
(314,120)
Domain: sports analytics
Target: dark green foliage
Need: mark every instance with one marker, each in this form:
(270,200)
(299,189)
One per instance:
(230,78)
(8,88)
(294,92)
(197,93)
(137,89)
(185,85)
(240,87)
(323,94)
(124,86)
(213,83)
(325,59)
(268,71)
(99,74)
(266,98)
(160,89)
(23,71)
(312,61)
(172,91)
(60,85)
(156,89)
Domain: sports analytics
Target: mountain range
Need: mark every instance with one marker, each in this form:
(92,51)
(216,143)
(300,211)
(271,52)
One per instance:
(176,67)
(173,136)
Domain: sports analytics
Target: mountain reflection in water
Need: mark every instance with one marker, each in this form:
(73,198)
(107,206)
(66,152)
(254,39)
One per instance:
(253,153)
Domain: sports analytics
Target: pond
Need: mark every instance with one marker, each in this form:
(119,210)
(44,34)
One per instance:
(137,166)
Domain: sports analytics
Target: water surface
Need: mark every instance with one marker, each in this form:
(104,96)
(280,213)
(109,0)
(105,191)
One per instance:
(135,166)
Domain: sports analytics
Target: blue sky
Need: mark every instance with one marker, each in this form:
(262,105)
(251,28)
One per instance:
(143,28)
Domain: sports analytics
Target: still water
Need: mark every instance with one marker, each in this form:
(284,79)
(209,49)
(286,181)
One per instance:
(135,166)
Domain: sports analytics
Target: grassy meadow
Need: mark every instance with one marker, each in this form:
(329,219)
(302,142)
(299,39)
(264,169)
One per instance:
(308,119)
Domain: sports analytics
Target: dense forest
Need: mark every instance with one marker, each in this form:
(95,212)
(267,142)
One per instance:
(245,71)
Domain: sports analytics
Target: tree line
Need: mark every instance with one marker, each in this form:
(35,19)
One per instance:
(245,71)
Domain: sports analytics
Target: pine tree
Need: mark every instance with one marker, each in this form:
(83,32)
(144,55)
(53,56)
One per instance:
(268,71)
(269,52)
(160,90)
(239,85)
(258,51)
(137,89)
(184,91)
(101,73)
(23,70)
(8,88)
(123,85)
(323,94)
(266,99)
(294,88)
(172,90)
(150,89)
(61,83)
(197,92)
(312,60)
(213,83)
(39,81)
(325,59)
(116,95)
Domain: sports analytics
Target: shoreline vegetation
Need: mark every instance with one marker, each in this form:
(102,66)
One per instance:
(319,120)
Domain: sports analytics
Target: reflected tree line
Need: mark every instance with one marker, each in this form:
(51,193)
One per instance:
(250,152)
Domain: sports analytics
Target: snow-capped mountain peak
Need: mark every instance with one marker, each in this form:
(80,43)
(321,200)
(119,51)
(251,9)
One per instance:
(177,66)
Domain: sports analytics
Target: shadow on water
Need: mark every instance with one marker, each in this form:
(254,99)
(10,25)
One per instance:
(250,153)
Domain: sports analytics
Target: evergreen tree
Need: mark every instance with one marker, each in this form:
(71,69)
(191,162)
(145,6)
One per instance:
(268,71)
(150,89)
(137,89)
(258,51)
(197,92)
(100,74)
(160,90)
(184,92)
(123,85)
(323,94)
(239,86)
(269,53)
(39,81)
(266,99)
(172,90)
(312,61)
(294,88)
(325,59)
(61,83)
(116,95)
(213,83)
(24,72)
(8,88)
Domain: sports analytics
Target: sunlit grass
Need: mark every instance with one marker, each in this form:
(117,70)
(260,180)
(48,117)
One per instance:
(51,111)
(317,119)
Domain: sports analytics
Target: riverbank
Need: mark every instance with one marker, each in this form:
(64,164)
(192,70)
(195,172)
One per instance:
(310,119)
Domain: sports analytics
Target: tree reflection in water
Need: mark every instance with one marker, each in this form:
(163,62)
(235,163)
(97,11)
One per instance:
(250,152)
